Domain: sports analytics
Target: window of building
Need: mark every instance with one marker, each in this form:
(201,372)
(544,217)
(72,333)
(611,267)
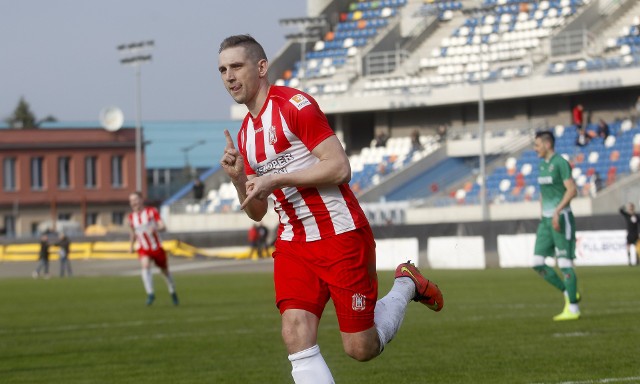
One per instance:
(9,173)
(64,216)
(64,172)
(34,228)
(9,225)
(117,218)
(116,171)
(37,173)
(90,169)
(91,218)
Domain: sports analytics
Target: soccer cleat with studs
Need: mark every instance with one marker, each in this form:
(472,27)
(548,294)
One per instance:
(427,292)
(150,299)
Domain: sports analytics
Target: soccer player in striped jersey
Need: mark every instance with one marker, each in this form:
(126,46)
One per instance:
(556,235)
(325,248)
(145,223)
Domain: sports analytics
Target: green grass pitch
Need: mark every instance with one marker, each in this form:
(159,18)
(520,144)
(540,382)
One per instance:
(495,328)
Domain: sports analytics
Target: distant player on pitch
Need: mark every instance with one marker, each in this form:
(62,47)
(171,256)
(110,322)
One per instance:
(145,223)
(325,247)
(556,235)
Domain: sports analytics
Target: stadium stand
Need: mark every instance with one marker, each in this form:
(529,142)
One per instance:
(418,64)
(622,49)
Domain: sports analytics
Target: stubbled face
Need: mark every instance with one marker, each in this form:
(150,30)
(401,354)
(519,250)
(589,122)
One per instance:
(135,202)
(240,75)
(541,147)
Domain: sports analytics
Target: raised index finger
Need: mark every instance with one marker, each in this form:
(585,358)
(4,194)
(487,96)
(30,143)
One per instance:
(227,136)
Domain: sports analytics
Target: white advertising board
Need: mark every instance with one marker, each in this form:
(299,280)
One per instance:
(391,252)
(456,252)
(592,248)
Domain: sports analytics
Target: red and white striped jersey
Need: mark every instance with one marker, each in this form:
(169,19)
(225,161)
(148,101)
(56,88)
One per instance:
(144,224)
(280,140)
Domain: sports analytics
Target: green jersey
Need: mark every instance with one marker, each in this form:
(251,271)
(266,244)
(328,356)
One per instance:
(551,177)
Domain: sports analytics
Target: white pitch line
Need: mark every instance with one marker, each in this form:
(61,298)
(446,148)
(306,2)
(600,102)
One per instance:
(598,381)
(571,334)
(194,266)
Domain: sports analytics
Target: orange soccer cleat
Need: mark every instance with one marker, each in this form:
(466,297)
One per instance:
(427,292)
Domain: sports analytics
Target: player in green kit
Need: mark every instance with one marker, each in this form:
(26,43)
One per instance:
(556,235)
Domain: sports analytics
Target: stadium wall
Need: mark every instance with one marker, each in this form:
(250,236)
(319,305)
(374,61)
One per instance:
(457,225)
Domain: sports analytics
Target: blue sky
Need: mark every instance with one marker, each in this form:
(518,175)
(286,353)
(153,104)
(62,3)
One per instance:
(61,55)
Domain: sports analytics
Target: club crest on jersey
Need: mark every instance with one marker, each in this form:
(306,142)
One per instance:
(358,302)
(299,101)
(272,135)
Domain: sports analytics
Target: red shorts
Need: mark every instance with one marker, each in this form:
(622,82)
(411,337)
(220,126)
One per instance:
(342,267)
(158,256)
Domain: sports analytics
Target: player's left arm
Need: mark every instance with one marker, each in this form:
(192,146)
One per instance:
(332,169)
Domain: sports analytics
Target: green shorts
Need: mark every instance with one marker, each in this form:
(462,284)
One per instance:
(550,242)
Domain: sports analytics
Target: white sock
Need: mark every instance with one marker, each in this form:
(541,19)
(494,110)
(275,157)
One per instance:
(309,367)
(573,307)
(147,280)
(169,280)
(390,310)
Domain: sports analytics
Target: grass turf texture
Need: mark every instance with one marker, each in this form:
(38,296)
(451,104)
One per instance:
(495,328)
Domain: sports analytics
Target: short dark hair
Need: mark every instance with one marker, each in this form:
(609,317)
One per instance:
(253,48)
(546,136)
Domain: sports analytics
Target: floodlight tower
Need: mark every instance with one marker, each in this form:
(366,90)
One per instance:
(136,54)
(310,28)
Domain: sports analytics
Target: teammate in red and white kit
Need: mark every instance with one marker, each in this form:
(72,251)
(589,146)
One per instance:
(325,247)
(145,223)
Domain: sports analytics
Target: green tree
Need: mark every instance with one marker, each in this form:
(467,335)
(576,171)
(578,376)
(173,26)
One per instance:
(23,118)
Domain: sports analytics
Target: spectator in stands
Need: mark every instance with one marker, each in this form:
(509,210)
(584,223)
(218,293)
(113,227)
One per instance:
(636,112)
(582,139)
(64,244)
(416,145)
(578,116)
(442,133)
(43,258)
(263,241)
(253,236)
(595,184)
(603,129)
(198,190)
(325,248)
(381,139)
(556,233)
(632,220)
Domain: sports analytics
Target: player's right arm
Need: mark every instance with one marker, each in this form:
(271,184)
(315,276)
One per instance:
(233,165)
(571,191)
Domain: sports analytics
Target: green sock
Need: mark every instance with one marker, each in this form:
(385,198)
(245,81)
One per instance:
(571,282)
(550,275)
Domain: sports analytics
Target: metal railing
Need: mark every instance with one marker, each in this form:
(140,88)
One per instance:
(378,63)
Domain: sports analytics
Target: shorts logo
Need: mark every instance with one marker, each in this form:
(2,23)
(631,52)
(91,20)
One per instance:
(299,101)
(358,302)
